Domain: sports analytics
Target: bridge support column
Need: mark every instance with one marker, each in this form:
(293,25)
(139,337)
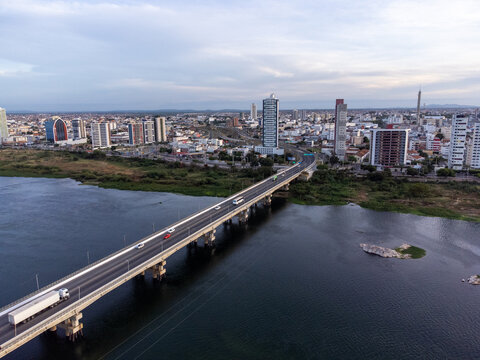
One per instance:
(158,270)
(286,187)
(209,238)
(243,216)
(267,201)
(53,328)
(73,327)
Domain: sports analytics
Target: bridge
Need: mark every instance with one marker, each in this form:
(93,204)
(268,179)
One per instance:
(94,281)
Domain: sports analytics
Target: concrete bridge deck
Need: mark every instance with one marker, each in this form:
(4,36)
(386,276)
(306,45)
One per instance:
(92,282)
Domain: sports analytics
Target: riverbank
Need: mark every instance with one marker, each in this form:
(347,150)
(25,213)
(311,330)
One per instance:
(381,192)
(128,173)
(378,191)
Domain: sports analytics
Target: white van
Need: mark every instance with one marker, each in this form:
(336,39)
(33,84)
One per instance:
(238,200)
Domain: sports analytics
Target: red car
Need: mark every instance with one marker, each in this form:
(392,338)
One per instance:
(167,236)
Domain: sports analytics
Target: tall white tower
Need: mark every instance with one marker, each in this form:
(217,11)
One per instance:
(340,129)
(3,125)
(253,112)
(456,155)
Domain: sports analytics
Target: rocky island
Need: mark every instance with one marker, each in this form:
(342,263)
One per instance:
(474,280)
(405,251)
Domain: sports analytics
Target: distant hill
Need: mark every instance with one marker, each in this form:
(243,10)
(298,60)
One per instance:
(449,106)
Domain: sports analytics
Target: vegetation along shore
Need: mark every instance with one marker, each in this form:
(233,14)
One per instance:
(377,191)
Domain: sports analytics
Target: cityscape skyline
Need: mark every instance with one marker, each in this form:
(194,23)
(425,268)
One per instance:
(98,56)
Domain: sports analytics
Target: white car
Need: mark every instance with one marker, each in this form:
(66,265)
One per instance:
(139,246)
(217,207)
(171,230)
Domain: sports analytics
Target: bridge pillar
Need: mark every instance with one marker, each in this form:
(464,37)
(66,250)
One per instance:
(286,187)
(158,270)
(209,238)
(243,216)
(267,201)
(73,327)
(53,328)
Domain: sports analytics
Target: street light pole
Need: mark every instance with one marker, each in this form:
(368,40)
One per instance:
(88,257)
(36,277)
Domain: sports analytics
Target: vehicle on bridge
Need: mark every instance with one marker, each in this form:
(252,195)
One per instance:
(274,178)
(167,236)
(28,311)
(238,200)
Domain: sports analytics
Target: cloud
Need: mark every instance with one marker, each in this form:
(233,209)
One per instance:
(154,53)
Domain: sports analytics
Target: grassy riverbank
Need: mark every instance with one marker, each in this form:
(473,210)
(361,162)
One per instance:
(378,191)
(127,173)
(381,192)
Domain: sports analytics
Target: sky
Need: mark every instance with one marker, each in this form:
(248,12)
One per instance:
(219,54)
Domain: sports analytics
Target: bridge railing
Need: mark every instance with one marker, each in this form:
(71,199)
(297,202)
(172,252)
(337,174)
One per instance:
(82,303)
(66,277)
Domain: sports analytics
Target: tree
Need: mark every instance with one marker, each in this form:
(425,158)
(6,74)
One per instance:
(352,158)
(266,162)
(333,160)
(445,172)
(412,171)
(366,140)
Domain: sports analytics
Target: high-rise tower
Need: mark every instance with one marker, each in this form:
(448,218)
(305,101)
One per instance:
(340,129)
(456,156)
(3,125)
(78,128)
(160,129)
(253,112)
(270,122)
(100,134)
(418,106)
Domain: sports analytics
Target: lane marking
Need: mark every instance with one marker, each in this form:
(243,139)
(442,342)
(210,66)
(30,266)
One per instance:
(133,247)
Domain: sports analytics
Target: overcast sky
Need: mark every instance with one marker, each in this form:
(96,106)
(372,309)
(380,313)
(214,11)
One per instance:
(146,55)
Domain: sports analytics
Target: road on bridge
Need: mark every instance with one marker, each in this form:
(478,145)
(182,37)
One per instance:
(114,266)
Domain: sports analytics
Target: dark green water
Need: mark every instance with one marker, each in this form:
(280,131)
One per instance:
(292,284)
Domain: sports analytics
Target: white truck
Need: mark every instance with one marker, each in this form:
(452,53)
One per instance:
(28,311)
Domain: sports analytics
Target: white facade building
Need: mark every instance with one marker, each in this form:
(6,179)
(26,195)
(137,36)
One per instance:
(78,128)
(456,156)
(3,125)
(160,129)
(148,132)
(253,112)
(340,129)
(475,162)
(100,133)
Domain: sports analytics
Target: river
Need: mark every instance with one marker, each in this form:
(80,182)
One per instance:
(292,284)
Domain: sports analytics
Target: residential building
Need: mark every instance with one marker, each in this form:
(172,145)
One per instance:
(3,125)
(475,162)
(160,129)
(295,114)
(456,156)
(340,129)
(135,133)
(270,122)
(56,130)
(388,147)
(100,133)
(253,112)
(78,128)
(148,132)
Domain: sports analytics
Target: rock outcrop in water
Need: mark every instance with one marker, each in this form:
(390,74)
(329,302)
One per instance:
(474,280)
(385,252)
